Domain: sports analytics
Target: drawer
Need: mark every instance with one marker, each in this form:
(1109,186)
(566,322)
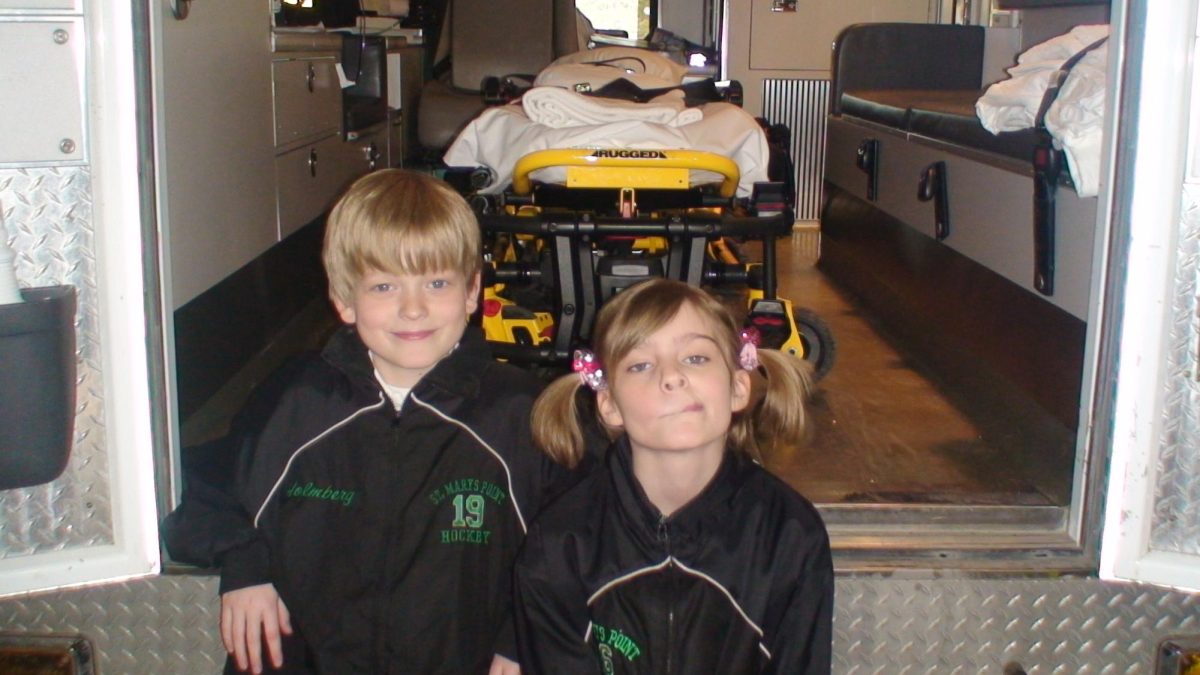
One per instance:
(307,180)
(308,99)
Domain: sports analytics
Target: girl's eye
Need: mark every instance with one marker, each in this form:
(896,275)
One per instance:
(696,359)
(638,367)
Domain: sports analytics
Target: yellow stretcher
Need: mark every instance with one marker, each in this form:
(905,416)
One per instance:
(558,251)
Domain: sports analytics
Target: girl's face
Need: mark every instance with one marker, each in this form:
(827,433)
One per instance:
(675,391)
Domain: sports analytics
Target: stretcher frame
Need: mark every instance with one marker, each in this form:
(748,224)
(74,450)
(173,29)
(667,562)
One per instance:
(691,248)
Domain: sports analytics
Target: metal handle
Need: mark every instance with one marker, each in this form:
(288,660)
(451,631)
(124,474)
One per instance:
(372,153)
(312,163)
(310,78)
(179,8)
(867,161)
(932,186)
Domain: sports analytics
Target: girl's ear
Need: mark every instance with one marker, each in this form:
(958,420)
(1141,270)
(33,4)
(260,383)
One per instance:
(740,395)
(607,407)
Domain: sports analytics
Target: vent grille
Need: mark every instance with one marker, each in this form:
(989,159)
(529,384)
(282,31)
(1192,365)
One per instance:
(802,105)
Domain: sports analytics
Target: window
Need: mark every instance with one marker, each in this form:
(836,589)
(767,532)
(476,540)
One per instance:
(632,17)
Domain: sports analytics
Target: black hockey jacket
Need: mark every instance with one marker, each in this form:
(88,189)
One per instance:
(390,536)
(739,580)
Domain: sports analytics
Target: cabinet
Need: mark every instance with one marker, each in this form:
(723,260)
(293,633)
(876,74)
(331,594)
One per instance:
(307,99)
(313,162)
(311,176)
(405,72)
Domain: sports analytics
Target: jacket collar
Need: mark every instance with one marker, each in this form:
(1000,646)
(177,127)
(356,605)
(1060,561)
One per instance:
(706,510)
(459,373)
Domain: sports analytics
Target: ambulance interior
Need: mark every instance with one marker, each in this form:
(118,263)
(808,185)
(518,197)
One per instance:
(955,275)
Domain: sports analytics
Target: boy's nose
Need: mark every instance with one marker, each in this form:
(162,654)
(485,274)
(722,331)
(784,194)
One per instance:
(411,307)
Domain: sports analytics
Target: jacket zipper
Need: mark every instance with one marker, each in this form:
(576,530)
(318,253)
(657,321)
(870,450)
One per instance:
(382,639)
(664,536)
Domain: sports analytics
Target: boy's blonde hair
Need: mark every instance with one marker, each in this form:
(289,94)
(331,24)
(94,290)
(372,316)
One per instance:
(774,417)
(402,222)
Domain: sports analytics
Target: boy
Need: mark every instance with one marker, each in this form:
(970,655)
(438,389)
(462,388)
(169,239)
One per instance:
(384,487)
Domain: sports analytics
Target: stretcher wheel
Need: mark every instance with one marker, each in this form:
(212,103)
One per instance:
(820,350)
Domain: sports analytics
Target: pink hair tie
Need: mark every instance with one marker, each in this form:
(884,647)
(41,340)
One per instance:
(591,373)
(751,339)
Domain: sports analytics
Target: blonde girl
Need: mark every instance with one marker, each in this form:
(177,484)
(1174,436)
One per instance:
(681,554)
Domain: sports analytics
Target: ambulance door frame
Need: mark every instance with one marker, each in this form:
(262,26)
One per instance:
(1148,184)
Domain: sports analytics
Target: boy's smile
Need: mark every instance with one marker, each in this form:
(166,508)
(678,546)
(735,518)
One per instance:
(410,321)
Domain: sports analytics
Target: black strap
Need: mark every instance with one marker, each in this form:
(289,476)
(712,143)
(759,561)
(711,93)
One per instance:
(694,93)
(1057,80)
(1047,168)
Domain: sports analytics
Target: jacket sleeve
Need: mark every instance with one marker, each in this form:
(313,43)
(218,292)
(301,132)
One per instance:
(803,641)
(551,614)
(212,526)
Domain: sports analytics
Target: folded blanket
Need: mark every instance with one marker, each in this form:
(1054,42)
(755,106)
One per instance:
(559,108)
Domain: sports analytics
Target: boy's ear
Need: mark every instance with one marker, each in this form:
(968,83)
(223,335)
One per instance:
(740,396)
(345,312)
(607,407)
(473,293)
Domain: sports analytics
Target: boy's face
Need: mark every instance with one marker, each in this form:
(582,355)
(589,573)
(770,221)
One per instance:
(410,321)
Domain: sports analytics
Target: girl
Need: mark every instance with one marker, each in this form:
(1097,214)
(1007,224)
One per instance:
(682,554)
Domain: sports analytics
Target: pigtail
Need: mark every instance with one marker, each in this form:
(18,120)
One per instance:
(776,415)
(556,425)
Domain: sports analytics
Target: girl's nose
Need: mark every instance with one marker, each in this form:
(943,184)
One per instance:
(673,379)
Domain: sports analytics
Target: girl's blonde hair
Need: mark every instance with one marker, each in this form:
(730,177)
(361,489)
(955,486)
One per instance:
(774,417)
(402,222)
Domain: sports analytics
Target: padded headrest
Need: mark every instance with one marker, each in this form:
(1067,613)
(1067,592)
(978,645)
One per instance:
(498,38)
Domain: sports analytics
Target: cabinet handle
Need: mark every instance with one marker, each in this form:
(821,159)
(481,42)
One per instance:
(311,78)
(179,8)
(867,161)
(933,187)
(372,152)
(312,163)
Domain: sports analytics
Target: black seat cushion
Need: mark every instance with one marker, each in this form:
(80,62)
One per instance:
(950,116)
(888,107)
(942,114)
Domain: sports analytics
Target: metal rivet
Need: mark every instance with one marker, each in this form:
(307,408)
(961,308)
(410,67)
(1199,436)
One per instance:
(67,146)
(61,36)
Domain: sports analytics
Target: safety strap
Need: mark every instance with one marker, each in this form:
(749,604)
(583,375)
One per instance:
(1047,168)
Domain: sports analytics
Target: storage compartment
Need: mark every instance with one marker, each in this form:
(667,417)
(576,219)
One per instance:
(307,181)
(307,99)
(37,386)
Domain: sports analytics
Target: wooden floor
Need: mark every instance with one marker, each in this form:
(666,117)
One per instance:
(889,428)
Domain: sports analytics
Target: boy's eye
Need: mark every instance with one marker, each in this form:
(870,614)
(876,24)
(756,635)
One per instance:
(382,287)
(439,283)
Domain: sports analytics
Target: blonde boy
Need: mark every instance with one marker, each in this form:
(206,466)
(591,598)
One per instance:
(384,492)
